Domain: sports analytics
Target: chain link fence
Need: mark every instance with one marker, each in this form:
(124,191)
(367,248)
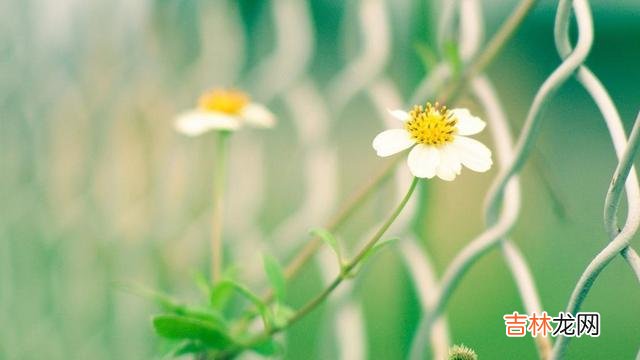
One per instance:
(97,187)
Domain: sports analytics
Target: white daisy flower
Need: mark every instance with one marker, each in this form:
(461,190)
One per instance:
(223,110)
(439,140)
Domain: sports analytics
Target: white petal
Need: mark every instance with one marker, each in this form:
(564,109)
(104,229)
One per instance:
(449,165)
(399,114)
(473,154)
(258,115)
(196,122)
(467,123)
(392,141)
(423,161)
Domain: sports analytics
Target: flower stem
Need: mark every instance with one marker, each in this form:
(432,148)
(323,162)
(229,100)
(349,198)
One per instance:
(307,252)
(341,216)
(450,94)
(491,50)
(219,174)
(344,273)
(348,267)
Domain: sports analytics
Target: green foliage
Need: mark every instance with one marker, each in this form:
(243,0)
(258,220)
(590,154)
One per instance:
(330,240)
(368,255)
(204,328)
(223,291)
(428,57)
(189,347)
(175,307)
(452,56)
(203,313)
(202,283)
(275,274)
(188,328)
(377,247)
(269,347)
(220,294)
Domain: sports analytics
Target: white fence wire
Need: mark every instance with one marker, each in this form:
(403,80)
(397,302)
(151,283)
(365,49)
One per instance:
(284,76)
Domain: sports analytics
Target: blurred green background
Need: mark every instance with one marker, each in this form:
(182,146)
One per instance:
(96,188)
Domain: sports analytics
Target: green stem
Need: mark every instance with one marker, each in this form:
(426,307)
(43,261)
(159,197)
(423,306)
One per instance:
(450,94)
(344,274)
(339,219)
(491,50)
(307,252)
(219,175)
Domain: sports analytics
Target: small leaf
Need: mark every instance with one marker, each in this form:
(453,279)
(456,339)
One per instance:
(375,249)
(220,294)
(190,347)
(329,239)
(172,305)
(379,246)
(166,302)
(186,328)
(202,283)
(229,286)
(426,54)
(204,313)
(452,55)
(268,347)
(275,274)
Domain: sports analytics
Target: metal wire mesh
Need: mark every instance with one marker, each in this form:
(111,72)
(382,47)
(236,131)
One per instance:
(147,221)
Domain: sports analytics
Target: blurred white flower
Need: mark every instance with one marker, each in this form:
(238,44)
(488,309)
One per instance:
(439,140)
(223,110)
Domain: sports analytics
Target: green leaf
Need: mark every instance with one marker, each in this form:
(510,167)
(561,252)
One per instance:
(166,302)
(171,305)
(187,328)
(452,55)
(189,347)
(268,347)
(380,245)
(228,287)
(202,283)
(174,306)
(204,313)
(426,54)
(220,294)
(367,256)
(275,274)
(329,239)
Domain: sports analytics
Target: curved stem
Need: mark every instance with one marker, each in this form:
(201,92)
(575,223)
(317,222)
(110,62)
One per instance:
(477,66)
(458,85)
(336,221)
(348,267)
(220,168)
(492,49)
(311,247)
(345,273)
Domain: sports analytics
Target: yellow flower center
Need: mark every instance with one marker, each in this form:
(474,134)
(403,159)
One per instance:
(431,125)
(226,101)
